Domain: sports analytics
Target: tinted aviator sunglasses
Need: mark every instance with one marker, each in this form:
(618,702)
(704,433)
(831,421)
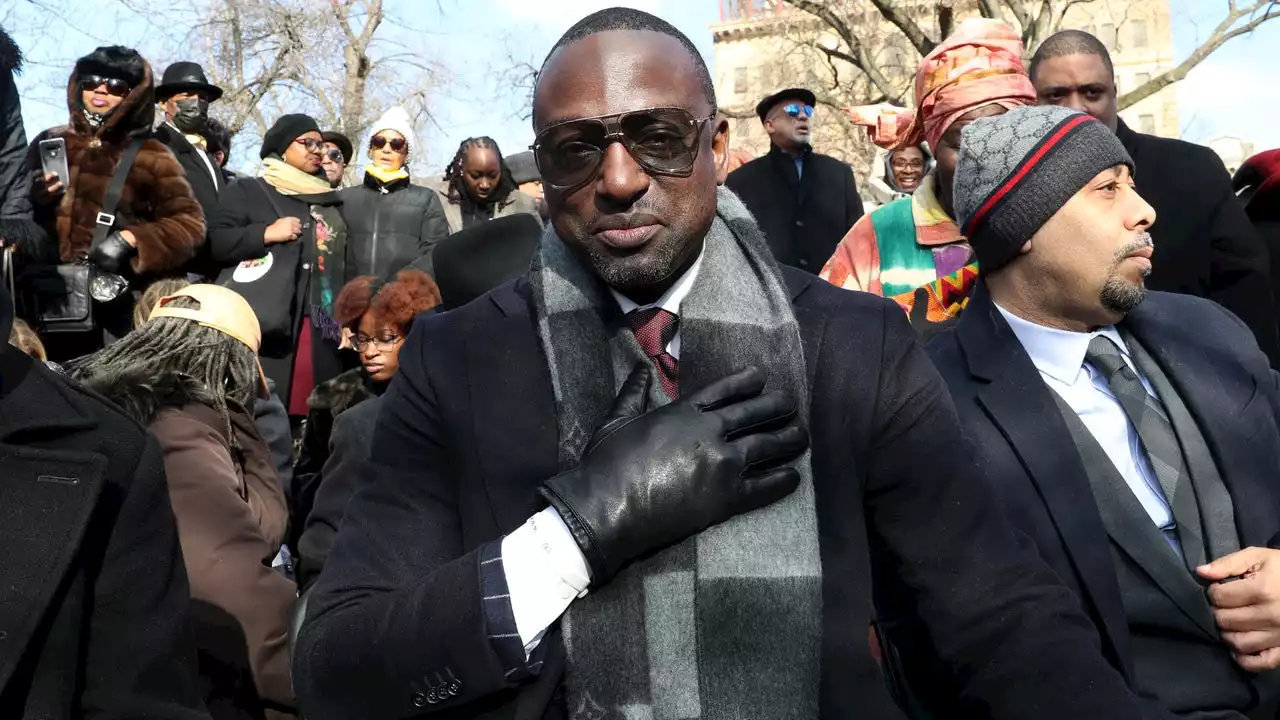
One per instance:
(115,86)
(796,110)
(378,142)
(661,140)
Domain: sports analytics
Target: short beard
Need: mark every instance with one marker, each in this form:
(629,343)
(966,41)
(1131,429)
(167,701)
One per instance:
(1119,295)
(628,274)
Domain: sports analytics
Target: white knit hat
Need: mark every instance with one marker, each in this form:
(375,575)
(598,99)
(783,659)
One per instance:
(395,119)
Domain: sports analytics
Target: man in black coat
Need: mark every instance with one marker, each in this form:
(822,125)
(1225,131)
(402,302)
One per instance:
(1135,440)
(185,94)
(93,615)
(804,201)
(443,591)
(1204,243)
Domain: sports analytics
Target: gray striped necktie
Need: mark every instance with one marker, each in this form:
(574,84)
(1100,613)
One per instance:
(1159,440)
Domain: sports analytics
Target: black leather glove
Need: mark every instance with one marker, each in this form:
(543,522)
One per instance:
(649,480)
(112,254)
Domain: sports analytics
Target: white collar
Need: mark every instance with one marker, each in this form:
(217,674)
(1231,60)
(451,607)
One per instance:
(673,297)
(1057,353)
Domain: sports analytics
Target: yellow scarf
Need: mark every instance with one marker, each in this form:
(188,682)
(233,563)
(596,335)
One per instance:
(384,175)
(289,180)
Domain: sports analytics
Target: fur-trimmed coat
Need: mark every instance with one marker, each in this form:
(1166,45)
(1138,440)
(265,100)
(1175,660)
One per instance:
(232,519)
(327,401)
(157,204)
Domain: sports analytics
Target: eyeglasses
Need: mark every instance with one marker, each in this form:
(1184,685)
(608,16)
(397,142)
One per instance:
(336,156)
(661,140)
(386,344)
(115,86)
(904,164)
(311,144)
(795,110)
(397,144)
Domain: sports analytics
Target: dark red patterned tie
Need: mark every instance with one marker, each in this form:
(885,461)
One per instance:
(654,329)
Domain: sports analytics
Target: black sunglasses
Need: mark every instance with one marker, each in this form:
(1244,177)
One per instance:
(397,144)
(662,141)
(115,86)
(336,156)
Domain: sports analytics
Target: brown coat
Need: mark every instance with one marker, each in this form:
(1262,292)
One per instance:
(157,204)
(232,517)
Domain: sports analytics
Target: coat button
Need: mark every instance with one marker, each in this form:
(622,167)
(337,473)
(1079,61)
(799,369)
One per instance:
(799,223)
(4,635)
(804,263)
(306,225)
(306,266)
(419,700)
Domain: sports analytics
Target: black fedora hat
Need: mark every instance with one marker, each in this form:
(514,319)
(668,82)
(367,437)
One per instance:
(185,76)
(805,96)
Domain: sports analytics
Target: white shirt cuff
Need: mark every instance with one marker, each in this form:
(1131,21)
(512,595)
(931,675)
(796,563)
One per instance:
(545,573)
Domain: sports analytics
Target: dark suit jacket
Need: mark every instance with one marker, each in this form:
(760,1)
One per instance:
(1204,243)
(93,593)
(205,187)
(804,217)
(467,433)
(1025,449)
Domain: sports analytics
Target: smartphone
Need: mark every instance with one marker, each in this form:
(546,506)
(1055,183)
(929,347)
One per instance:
(53,159)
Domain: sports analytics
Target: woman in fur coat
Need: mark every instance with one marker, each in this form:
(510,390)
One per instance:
(159,226)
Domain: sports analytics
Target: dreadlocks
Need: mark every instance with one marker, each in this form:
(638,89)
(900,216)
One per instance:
(453,174)
(225,368)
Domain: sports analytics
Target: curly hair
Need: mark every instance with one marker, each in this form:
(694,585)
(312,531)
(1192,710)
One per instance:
(395,302)
(453,174)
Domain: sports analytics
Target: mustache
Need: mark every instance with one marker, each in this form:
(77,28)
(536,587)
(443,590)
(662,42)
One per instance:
(1138,243)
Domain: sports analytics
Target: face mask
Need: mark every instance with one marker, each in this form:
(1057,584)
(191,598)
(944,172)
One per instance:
(192,114)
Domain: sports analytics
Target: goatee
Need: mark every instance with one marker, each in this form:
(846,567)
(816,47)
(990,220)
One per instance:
(1119,295)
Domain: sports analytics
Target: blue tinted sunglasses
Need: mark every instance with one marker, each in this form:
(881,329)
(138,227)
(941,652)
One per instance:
(795,109)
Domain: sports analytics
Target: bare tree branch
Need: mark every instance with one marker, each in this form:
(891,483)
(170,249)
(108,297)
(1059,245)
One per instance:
(901,20)
(1257,13)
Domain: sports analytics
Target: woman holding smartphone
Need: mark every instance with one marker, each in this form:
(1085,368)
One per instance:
(157,224)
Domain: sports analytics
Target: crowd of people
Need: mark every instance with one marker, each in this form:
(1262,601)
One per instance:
(634,425)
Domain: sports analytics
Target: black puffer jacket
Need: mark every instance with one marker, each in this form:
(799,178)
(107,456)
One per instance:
(390,225)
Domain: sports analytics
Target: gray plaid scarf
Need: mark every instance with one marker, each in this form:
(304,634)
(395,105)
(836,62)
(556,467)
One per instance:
(726,624)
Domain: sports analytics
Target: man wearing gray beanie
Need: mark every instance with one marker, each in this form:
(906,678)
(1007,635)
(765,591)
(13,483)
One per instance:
(1133,435)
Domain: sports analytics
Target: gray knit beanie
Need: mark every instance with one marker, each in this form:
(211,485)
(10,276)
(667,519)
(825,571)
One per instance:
(1017,169)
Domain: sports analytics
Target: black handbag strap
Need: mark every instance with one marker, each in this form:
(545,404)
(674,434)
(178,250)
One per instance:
(106,215)
(271,198)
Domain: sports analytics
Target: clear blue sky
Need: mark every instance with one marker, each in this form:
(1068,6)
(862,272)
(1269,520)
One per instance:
(1231,93)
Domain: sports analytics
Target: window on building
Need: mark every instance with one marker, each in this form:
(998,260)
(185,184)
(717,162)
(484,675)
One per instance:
(1138,33)
(1141,79)
(1147,124)
(740,80)
(1107,34)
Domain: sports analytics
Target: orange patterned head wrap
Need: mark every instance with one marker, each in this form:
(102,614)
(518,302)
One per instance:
(980,64)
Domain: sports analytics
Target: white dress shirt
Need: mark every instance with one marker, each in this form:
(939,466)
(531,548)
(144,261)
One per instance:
(545,570)
(1059,356)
